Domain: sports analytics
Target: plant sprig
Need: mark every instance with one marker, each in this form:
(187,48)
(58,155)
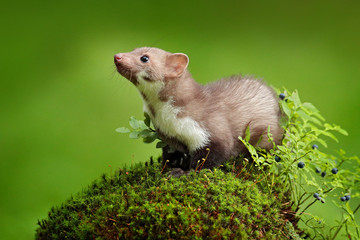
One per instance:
(305,170)
(142,129)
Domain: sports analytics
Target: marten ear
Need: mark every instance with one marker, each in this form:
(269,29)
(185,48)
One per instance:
(176,64)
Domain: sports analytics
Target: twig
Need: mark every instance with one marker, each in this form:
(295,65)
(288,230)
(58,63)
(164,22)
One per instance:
(164,166)
(345,220)
(307,207)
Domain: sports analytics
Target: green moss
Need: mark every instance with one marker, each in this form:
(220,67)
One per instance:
(143,203)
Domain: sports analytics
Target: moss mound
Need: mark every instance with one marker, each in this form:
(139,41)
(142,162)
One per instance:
(143,203)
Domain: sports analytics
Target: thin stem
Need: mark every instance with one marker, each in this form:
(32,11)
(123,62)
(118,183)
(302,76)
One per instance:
(307,207)
(296,159)
(164,166)
(305,198)
(329,190)
(338,230)
(246,162)
(357,208)
(342,161)
(299,189)
(345,220)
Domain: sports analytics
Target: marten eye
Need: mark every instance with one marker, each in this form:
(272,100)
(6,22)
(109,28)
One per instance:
(144,59)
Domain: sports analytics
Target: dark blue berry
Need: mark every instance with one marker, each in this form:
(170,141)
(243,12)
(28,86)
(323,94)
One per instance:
(277,158)
(343,199)
(316,195)
(282,96)
(323,174)
(317,170)
(315,146)
(301,164)
(347,197)
(334,170)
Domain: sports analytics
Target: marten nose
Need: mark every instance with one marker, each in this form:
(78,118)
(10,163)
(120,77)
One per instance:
(117,57)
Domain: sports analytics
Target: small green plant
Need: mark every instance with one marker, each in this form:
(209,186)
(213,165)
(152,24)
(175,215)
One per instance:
(142,129)
(304,166)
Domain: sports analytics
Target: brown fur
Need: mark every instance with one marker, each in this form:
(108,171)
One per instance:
(224,108)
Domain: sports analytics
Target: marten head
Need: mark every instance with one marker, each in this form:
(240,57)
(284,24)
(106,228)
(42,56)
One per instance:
(151,64)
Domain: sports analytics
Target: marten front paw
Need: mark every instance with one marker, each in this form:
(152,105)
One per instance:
(175,159)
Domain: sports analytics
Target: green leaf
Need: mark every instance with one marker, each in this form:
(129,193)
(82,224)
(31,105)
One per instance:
(318,116)
(312,183)
(291,177)
(161,144)
(150,138)
(134,135)
(348,209)
(122,130)
(340,130)
(329,134)
(142,125)
(147,119)
(134,123)
(341,152)
(303,115)
(261,137)
(285,108)
(310,107)
(145,133)
(283,149)
(296,99)
(306,115)
(322,142)
(315,120)
(247,134)
(251,148)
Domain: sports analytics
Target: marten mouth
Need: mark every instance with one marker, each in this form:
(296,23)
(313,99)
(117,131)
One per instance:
(126,72)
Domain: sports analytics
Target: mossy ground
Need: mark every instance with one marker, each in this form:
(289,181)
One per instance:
(144,202)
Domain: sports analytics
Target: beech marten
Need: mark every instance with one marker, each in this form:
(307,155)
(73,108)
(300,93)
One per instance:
(195,120)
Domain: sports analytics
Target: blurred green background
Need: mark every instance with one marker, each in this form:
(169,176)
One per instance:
(61,98)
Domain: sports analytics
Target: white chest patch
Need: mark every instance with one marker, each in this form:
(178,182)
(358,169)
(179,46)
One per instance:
(185,129)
